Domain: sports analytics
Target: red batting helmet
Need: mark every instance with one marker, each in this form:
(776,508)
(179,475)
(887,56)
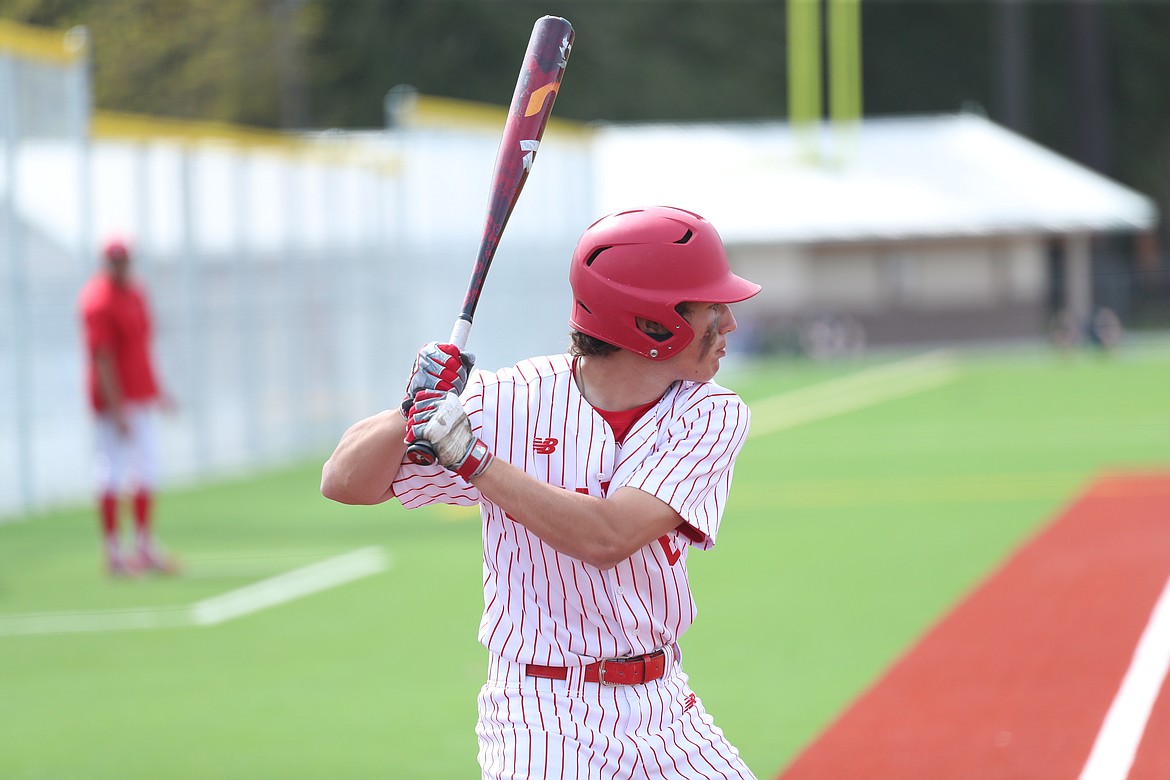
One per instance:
(643,263)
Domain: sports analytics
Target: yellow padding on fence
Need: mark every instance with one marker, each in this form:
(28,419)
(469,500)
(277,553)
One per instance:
(41,43)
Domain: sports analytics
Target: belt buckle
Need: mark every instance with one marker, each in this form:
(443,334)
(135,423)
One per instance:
(601,671)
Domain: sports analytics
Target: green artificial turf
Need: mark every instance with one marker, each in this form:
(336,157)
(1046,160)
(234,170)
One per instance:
(845,538)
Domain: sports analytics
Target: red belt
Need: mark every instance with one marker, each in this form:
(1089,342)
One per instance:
(635,670)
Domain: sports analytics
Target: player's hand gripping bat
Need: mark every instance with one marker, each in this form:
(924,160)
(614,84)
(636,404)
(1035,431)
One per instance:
(536,90)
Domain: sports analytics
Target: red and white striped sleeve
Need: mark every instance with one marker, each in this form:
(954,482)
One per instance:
(692,467)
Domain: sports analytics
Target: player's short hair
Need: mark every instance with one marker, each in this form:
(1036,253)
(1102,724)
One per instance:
(583,345)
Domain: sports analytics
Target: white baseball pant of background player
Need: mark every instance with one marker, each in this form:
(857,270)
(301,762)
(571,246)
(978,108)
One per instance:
(130,460)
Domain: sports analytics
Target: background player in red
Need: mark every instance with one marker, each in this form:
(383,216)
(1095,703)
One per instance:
(125,393)
(596,473)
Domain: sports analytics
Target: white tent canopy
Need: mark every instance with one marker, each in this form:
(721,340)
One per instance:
(886,178)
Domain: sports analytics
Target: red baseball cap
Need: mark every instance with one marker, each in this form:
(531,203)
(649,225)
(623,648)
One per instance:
(116,248)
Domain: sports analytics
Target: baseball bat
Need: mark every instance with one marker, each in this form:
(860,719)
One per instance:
(536,91)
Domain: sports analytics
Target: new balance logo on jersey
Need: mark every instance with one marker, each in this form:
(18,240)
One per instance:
(545,446)
(688,702)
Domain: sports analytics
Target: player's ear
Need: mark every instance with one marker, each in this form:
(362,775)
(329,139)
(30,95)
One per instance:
(655,330)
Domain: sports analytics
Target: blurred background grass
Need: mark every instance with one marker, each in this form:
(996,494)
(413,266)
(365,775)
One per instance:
(844,540)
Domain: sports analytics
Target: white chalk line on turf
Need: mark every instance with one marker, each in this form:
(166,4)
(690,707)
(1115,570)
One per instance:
(854,391)
(1121,733)
(249,564)
(271,592)
(289,586)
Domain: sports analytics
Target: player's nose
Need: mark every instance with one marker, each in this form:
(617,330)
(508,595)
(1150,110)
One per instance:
(727,321)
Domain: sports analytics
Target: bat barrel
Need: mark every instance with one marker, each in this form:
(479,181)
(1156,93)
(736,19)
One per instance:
(536,90)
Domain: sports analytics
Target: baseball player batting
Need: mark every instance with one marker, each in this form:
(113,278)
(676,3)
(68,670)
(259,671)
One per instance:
(596,473)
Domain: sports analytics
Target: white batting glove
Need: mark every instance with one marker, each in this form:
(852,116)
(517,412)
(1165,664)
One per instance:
(439,367)
(438,419)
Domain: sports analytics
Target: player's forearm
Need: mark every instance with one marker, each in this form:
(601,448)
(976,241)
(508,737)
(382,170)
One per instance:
(362,468)
(107,381)
(601,532)
(568,522)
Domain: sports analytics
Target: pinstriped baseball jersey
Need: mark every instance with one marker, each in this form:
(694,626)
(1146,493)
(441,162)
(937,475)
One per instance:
(541,606)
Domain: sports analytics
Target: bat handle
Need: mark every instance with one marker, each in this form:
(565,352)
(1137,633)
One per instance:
(460,332)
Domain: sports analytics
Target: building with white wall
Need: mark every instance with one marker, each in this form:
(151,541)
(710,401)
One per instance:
(918,229)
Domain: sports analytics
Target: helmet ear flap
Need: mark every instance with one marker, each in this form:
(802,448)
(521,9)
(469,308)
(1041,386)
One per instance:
(653,329)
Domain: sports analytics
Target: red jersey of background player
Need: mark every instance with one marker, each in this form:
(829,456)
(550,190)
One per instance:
(117,320)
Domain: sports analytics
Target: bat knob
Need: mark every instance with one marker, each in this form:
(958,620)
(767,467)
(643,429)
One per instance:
(421,453)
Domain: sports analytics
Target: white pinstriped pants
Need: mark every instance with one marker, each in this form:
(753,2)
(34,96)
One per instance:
(575,730)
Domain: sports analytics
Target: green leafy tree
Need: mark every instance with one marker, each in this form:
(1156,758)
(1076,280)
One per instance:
(671,59)
(196,59)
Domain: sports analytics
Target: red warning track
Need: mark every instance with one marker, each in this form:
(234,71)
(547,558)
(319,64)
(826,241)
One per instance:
(1017,680)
